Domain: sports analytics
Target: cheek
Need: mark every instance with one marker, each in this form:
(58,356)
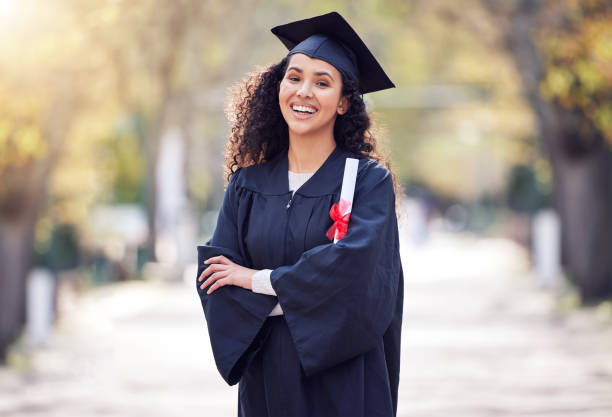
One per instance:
(284,91)
(330,102)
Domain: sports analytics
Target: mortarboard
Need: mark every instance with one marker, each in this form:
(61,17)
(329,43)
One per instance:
(330,38)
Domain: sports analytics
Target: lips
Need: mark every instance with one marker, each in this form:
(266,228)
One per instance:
(303,108)
(303,111)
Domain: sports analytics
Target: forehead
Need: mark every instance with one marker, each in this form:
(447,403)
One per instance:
(308,64)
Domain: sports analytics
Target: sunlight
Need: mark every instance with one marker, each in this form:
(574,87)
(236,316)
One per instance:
(8,10)
(14,18)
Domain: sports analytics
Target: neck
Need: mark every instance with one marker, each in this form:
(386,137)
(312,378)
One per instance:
(307,154)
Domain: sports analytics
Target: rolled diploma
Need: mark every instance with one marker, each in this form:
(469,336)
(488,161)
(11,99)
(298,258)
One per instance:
(348,185)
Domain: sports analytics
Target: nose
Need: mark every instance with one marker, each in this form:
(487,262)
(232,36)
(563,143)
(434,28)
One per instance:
(305,90)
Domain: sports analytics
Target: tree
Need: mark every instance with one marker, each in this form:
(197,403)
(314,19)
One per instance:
(563,51)
(69,70)
(37,109)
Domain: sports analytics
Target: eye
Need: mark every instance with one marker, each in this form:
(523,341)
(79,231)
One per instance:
(293,78)
(322,84)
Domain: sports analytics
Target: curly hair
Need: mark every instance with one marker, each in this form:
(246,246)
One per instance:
(259,131)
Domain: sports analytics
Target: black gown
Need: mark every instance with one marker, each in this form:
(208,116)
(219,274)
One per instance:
(336,349)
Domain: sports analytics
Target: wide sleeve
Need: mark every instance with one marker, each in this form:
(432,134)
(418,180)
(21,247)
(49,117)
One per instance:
(234,315)
(339,299)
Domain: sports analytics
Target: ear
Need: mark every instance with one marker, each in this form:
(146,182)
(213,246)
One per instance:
(343,105)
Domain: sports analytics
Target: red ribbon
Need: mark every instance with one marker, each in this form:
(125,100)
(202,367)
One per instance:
(340,220)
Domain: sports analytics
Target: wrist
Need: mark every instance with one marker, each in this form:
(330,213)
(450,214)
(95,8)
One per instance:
(261,282)
(252,273)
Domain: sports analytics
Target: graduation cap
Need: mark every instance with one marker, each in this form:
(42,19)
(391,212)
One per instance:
(330,38)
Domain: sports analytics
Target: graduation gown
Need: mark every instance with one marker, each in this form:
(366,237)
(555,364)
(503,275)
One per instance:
(336,349)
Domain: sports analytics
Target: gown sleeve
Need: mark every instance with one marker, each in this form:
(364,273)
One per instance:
(234,315)
(339,299)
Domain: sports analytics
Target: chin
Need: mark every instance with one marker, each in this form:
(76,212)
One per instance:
(303,130)
(305,127)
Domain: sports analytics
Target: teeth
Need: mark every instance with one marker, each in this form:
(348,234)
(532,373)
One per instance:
(304,109)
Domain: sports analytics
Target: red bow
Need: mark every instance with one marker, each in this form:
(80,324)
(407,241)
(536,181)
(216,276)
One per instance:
(340,220)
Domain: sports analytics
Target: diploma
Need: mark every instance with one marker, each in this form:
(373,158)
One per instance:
(345,205)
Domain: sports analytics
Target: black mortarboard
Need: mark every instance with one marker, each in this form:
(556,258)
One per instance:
(330,38)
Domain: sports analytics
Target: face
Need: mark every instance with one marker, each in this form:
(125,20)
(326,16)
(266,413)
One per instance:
(310,95)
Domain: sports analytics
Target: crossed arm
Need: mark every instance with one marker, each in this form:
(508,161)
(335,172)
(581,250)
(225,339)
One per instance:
(225,272)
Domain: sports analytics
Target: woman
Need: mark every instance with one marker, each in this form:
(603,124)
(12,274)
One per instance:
(308,327)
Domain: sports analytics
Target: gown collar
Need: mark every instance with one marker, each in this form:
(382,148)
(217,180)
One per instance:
(325,180)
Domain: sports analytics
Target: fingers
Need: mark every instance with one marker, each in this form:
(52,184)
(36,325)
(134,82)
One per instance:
(214,277)
(218,284)
(223,272)
(218,260)
(212,268)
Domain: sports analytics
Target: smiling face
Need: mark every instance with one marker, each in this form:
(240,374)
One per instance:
(310,96)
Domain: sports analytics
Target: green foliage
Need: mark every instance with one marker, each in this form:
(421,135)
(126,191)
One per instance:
(21,137)
(578,53)
(526,193)
(125,162)
(61,251)
(451,119)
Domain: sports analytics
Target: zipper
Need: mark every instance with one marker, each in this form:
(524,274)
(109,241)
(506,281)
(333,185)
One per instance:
(287,207)
(290,201)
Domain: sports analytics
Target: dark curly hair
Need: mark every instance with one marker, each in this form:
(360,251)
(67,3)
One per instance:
(259,131)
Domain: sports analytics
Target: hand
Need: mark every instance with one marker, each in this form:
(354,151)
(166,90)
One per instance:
(225,272)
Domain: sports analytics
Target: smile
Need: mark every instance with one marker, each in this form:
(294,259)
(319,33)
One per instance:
(303,109)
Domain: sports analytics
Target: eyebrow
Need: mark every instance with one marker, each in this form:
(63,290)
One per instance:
(316,73)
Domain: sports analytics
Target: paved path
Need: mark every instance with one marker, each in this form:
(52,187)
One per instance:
(479,340)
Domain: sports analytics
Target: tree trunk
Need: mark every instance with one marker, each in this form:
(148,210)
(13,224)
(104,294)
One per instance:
(581,164)
(22,195)
(165,71)
(19,208)
(16,238)
(585,202)
(151,143)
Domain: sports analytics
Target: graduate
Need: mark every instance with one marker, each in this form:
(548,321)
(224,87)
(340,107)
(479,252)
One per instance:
(302,299)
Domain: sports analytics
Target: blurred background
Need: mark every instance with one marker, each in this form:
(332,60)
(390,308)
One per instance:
(112,130)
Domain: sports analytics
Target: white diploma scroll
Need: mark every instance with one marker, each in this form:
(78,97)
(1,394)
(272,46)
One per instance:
(348,185)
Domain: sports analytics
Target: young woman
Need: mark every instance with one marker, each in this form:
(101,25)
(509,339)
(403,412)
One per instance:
(306,325)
